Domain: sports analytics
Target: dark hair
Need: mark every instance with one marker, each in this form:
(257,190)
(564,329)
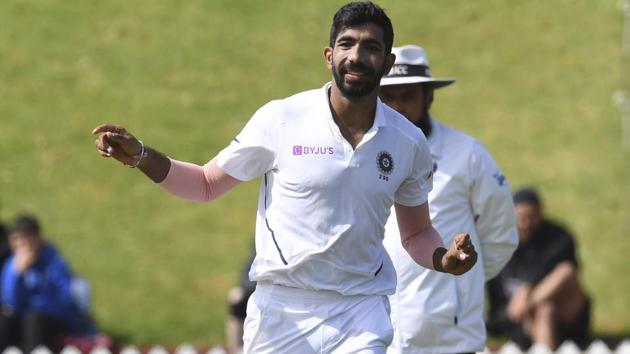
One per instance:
(527,195)
(357,13)
(25,223)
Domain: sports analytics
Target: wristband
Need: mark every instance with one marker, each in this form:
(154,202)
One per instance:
(143,152)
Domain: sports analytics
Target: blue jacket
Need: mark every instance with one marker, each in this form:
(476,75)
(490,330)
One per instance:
(46,288)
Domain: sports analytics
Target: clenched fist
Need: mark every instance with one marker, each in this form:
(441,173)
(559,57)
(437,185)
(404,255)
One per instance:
(115,141)
(460,257)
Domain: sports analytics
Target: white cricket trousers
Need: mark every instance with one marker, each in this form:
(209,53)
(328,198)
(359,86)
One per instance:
(296,321)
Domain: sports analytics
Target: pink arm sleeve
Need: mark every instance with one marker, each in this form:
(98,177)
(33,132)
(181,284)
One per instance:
(417,234)
(197,183)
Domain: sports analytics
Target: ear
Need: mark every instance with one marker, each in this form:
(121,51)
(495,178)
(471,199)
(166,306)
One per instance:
(389,62)
(328,52)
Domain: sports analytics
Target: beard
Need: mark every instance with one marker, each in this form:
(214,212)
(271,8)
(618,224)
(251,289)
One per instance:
(353,90)
(424,123)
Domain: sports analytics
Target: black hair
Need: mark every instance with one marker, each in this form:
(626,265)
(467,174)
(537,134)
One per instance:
(25,223)
(527,195)
(357,13)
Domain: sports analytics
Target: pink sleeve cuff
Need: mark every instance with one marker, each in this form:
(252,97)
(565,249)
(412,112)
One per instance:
(417,234)
(197,183)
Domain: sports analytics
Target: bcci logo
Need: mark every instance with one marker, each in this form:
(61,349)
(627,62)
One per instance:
(385,165)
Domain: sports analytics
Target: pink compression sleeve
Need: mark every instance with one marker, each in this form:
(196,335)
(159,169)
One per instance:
(197,183)
(417,234)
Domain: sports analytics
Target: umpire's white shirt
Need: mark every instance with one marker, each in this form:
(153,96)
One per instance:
(439,313)
(322,205)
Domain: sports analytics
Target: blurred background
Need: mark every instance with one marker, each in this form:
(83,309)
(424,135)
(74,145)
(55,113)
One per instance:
(536,83)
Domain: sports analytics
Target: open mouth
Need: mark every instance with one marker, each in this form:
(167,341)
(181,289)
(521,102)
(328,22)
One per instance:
(355,71)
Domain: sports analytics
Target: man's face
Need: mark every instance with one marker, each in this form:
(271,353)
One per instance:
(411,100)
(528,219)
(25,242)
(358,60)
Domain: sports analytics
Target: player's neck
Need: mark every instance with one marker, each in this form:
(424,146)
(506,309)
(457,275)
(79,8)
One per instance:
(353,113)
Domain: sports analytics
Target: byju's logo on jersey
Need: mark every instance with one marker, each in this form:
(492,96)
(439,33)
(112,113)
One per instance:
(384,164)
(312,150)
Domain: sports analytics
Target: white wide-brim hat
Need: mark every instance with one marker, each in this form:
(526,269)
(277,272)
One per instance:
(412,67)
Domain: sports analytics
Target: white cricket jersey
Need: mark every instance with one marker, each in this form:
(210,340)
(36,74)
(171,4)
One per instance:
(435,312)
(322,205)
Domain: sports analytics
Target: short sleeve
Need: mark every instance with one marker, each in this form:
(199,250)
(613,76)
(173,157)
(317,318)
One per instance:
(559,248)
(415,188)
(252,153)
(566,250)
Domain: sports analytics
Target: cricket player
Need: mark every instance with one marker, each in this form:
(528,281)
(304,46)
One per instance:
(333,161)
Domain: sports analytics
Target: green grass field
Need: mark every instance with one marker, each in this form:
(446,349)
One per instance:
(535,81)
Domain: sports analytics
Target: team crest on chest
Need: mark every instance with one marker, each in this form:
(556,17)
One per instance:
(384,164)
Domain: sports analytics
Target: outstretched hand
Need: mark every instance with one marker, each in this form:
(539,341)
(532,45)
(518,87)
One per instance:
(461,256)
(115,141)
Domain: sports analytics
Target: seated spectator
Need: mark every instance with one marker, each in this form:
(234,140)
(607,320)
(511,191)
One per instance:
(537,298)
(38,293)
(237,302)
